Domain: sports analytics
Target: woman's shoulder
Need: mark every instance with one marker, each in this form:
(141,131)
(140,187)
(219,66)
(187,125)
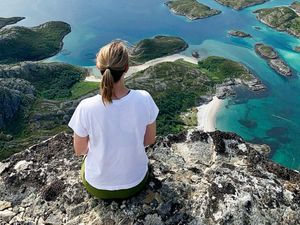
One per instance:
(142,93)
(90,101)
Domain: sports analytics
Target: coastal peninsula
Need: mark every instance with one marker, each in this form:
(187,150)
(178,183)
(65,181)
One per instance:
(282,18)
(271,56)
(191,9)
(238,33)
(9,21)
(168,82)
(157,47)
(32,44)
(240,4)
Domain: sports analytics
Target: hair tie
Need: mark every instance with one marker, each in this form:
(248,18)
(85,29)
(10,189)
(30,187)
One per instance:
(108,68)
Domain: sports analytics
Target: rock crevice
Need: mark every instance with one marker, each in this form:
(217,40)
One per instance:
(195,178)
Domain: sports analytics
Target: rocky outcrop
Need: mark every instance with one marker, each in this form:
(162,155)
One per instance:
(238,33)
(274,60)
(195,178)
(17,82)
(14,94)
(19,85)
(227,88)
(35,71)
(8,21)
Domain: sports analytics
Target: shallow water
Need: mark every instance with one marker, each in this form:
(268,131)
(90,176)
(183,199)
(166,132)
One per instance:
(271,117)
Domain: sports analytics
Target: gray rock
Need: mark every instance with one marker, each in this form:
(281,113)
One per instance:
(195,178)
(14,94)
(6,215)
(4,205)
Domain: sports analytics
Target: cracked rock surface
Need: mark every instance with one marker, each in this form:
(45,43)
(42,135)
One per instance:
(195,178)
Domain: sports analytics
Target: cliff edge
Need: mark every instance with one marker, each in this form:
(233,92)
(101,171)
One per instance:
(195,178)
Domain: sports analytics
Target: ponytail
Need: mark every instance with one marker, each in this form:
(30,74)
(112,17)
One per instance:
(107,86)
(112,61)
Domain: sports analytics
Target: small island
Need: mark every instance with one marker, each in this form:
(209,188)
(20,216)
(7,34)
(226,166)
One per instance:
(271,56)
(297,49)
(158,46)
(280,18)
(9,21)
(238,33)
(240,4)
(191,9)
(31,44)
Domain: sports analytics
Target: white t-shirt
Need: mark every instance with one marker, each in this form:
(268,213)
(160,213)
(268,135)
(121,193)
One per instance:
(116,158)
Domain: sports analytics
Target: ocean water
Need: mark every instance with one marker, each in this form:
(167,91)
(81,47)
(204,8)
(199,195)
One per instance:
(271,117)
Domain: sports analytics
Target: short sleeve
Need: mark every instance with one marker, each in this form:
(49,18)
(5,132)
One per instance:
(153,109)
(77,122)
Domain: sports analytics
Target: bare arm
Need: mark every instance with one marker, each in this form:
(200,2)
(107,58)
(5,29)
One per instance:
(150,134)
(80,145)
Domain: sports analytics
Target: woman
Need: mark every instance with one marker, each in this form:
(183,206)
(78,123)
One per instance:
(112,130)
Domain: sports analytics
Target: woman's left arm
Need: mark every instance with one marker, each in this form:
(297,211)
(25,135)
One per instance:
(80,145)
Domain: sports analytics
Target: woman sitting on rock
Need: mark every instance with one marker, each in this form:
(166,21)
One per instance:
(112,129)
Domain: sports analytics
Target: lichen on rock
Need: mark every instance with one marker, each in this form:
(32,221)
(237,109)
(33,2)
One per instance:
(195,178)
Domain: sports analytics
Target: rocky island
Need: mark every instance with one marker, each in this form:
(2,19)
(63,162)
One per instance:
(238,33)
(195,178)
(158,46)
(275,62)
(9,21)
(32,44)
(192,9)
(240,4)
(297,49)
(281,18)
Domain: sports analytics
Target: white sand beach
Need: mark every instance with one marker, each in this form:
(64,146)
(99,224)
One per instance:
(207,114)
(95,74)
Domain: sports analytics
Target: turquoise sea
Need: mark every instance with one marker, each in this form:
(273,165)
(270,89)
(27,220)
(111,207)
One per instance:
(272,117)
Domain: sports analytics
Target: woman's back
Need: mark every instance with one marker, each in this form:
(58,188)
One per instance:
(116,158)
(111,129)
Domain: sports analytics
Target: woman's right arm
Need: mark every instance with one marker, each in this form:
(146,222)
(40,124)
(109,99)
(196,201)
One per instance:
(150,134)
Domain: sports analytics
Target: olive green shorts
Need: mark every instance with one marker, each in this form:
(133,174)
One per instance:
(115,194)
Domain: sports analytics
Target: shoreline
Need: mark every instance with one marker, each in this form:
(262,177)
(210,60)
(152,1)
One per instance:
(95,74)
(207,114)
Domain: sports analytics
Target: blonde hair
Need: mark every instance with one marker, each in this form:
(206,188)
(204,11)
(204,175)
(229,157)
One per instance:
(112,60)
